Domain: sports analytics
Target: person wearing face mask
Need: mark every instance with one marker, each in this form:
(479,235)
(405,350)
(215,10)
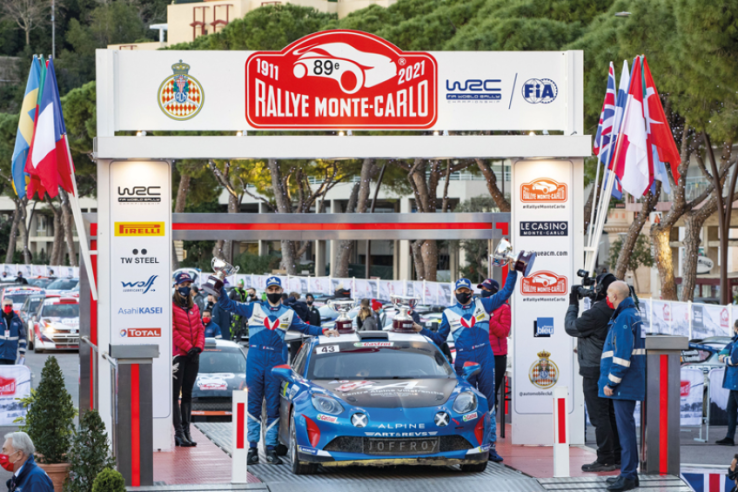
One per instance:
(12,336)
(251,295)
(590,330)
(188,341)
(729,356)
(17,457)
(499,329)
(468,322)
(268,323)
(314,314)
(211,329)
(623,378)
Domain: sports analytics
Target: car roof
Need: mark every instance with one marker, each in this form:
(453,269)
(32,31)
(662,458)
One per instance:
(8,290)
(365,336)
(220,343)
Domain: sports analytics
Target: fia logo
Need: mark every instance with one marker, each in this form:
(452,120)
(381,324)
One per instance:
(540,91)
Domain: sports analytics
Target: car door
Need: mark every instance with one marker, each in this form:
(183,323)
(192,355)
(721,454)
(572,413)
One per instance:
(285,395)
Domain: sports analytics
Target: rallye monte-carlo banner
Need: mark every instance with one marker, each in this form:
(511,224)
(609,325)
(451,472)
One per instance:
(343,80)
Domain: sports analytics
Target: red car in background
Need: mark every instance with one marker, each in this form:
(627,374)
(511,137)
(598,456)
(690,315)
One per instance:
(55,325)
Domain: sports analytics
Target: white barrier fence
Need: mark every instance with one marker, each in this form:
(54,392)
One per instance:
(688,319)
(60,271)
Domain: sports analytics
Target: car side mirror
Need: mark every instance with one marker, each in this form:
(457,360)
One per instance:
(470,369)
(285,373)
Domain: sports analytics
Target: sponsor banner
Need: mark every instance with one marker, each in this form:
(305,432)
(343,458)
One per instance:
(543,353)
(15,383)
(662,317)
(680,319)
(710,321)
(343,80)
(140,280)
(691,395)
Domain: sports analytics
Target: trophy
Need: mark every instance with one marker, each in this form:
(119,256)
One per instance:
(222,269)
(344,324)
(523,260)
(403,322)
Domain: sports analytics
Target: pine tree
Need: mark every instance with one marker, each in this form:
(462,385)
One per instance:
(50,418)
(89,455)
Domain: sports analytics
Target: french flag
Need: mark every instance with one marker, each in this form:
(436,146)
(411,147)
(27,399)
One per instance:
(49,160)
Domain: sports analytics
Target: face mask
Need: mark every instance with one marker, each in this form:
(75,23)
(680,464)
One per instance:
(274,298)
(184,291)
(6,463)
(463,297)
(609,303)
(310,303)
(7,309)
(487,293)
(206,320)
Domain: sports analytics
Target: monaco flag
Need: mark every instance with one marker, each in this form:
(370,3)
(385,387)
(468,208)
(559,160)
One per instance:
(631,154)
(49,162)
(659,132)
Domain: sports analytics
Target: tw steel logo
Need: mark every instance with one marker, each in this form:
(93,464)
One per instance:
(543,190)
(341,79)
(543,283)
(144,332)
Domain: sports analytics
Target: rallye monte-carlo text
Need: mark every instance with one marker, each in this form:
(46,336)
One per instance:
(380,398)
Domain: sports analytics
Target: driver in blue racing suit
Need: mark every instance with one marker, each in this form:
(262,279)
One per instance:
(268,323)
(468,321)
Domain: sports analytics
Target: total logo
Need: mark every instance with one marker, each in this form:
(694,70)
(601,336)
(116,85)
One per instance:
(140,333)
(474,90)
(142,287)
(139,194)
(543,283)
(540,91)
(341,79)
(544,190)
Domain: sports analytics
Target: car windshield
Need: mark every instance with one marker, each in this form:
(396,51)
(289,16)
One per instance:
(220,360)
(378,359)
(40,282)
(61,311)
(63,284)
(32,303)
(17,298)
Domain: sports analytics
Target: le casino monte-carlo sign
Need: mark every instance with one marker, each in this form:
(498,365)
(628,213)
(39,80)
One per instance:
(341,80)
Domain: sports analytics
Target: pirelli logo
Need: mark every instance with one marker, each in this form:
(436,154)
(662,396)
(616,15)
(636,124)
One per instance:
(139,228)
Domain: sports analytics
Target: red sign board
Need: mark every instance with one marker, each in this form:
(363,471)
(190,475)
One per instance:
(7,386)
(341,80)
(543,283)
(144,332)
(543,190)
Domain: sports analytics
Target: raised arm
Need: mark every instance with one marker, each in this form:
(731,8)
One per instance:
(299,325)
(495,301)
(227,304)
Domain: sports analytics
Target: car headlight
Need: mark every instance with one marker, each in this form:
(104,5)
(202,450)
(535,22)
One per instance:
(466,402)
(326,404)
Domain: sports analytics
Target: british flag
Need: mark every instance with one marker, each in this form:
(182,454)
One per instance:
(607,130)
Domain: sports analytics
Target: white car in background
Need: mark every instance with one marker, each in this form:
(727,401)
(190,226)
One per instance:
(62,285)
(56,325)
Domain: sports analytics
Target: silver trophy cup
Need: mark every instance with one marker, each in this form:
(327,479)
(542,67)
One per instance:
(222,269)
(344,324)
(403,322)
(523,260)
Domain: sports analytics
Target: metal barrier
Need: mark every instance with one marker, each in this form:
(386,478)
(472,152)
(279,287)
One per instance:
(239,442)
(132,411)
(561,432)
(660,417)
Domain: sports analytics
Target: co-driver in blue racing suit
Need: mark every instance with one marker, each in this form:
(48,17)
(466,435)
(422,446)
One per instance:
(268,323)
(468,322)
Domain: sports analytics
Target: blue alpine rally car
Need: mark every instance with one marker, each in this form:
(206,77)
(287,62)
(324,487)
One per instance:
(378,398)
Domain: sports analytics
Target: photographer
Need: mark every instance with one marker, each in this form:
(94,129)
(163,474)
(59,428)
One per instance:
(591,331)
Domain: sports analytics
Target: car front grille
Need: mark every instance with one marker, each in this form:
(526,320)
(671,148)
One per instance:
(353,444)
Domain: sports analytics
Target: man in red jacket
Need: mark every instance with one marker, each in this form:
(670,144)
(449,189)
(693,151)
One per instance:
(499,330)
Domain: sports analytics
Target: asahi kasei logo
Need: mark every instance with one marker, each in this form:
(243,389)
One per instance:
(341,79)
(545,190)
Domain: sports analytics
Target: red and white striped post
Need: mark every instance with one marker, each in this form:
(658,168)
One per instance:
(561,432)
(239,443)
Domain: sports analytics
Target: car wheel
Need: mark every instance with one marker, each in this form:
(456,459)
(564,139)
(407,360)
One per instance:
(474,467)
(298,468)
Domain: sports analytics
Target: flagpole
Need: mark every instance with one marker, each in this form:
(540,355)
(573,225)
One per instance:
(594,200)
(81,231)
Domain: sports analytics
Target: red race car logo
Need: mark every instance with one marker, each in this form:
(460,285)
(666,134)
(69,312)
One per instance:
(7,386)
(543,283)
(543,190)
(341,80)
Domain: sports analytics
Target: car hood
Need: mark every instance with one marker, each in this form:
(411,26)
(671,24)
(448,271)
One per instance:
(219,384)
(391,393)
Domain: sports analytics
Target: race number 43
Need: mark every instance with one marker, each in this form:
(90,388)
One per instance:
(327,349)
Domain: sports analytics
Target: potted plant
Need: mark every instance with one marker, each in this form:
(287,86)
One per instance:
(109,480)
(50,423)
(89,454)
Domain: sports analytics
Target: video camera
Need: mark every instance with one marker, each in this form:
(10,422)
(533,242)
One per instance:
(587,288)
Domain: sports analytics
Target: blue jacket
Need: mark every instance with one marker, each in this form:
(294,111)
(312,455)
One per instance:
(31,479)
(212,331)
(13,338)
(623,363)
(469,325)
(730,379)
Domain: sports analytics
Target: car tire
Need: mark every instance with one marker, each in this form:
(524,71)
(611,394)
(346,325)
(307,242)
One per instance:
(281,449)
(298,468)
(474,467)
